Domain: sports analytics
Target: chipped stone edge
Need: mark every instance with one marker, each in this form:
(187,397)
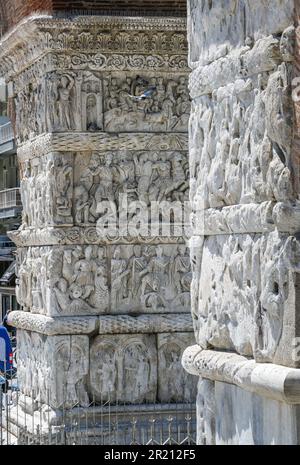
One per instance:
(265,379)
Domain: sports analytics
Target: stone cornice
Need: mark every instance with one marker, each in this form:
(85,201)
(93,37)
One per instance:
(37,35)
(129,23)
(268,380)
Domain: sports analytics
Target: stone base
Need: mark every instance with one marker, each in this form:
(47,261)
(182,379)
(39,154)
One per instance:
(102,425)
(244,418)
(241,402)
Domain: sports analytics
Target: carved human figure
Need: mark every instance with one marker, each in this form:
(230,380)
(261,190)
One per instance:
(107,373)
(175,374)
(162,178)
(82,204)
(91,113)
(137,264)
(83,271)
(144,173)
(70,372)
(105,189)
(64,181)
(180,268)
(119,273)
(136,371)
(155,276)
(112,100)
(25,194)
(52,99)
(64,102)
(100,296)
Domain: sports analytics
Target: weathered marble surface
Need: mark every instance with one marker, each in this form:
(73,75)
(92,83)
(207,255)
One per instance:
(103,312)
(124,368)
(251,302)
(244,180)
(104,324)
(265,379)
(74,370)
(95,280)
(244,192)
(53,370)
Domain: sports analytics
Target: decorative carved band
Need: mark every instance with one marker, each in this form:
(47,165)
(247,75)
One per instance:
(87,141)
(30,237)
(157,38)
(119,324)
(145,324)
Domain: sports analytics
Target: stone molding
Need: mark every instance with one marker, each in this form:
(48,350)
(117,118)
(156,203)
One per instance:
(84,141)
(248,218)
(83,235)
(37,32)
(266,379)
(119,324)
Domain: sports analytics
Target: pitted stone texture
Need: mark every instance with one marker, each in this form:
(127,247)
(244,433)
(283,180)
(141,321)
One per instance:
(251,303)
(219,26)
(241,141)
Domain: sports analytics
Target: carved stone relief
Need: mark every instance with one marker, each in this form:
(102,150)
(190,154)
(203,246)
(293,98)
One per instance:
(174,384)
(80,100)
(86,136)
(167,109)
(63,281)
(145,177)
(124,368)
(53,369)
(241,152)
(249,302)
(154,279)
(47,190)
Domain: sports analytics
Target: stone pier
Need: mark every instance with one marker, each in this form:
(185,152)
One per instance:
(105,311)
(244,166)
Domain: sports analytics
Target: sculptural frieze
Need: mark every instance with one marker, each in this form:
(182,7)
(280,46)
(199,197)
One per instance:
(152,279)
(166,110)
(123,368)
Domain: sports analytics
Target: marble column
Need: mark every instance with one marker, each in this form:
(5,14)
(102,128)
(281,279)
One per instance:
(104,297)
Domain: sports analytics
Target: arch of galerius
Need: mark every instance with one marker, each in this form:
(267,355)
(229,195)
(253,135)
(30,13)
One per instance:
(244,161)
(105,314)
